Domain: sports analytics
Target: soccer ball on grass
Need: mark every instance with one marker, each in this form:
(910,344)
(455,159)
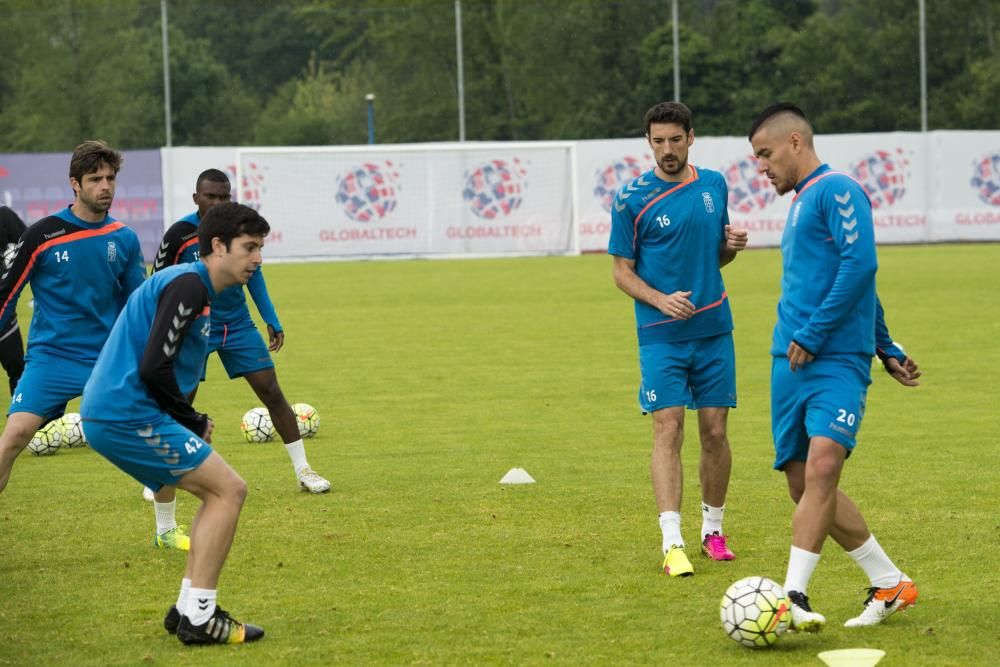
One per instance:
(72,427)
(755,612)
(307,419)
(257,425)
(47,439)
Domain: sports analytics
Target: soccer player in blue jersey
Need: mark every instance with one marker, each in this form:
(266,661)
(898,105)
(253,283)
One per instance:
(136,411)
(829,321)
(82,264)
(670,236)
(11,343)
(236,340)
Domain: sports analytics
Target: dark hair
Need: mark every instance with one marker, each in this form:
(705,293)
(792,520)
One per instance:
(213,175)
(669,112)
(228,220)
(88,156)
(774,110)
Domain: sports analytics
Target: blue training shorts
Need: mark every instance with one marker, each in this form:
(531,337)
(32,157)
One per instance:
(153,454)
(698,373)
(48,383)
(242,351)
(825,398)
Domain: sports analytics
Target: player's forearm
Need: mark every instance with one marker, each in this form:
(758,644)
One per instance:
(629,282)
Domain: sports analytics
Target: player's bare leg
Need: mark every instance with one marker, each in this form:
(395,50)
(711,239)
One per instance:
(265,384)
(813,484)
(668,481)
(714,469)
(222,493)
(891,590)
(20,427)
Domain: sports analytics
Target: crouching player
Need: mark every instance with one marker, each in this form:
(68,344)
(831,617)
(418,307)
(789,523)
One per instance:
(136,412)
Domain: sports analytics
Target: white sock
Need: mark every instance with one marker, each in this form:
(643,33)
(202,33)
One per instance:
(297,452)
(801,564)
(670,526)
(882,572)
(200,605)
(711,520)
(166,516)
(183,597)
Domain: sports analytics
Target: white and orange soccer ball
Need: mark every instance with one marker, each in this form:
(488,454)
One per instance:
(754,612)
(307,419)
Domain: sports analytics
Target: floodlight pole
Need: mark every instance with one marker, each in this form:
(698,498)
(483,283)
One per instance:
(677,51)
(461,71)
(370,98)
(166,74)
(923,66)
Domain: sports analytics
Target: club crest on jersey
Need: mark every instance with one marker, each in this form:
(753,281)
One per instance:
(112,251)
(709,204)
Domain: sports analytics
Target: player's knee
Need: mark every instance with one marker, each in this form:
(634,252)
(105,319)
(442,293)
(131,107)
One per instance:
(238,490)
(713,437)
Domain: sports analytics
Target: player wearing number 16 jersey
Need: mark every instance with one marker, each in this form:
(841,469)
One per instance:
(670,235)
(82,265)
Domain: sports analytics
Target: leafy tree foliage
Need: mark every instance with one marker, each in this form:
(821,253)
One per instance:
(297,71)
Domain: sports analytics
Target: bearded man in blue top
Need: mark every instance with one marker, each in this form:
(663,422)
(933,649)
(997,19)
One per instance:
(670,236)
(829,327)
(82,264)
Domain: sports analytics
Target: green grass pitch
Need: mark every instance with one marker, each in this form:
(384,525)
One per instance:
(432,379)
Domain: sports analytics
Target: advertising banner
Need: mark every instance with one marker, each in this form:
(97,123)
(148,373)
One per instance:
(437,200)
(36,185)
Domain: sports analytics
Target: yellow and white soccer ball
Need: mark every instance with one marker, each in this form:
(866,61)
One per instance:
(72,426)
(47,439)
(257,425)
(307,419)
(754,612)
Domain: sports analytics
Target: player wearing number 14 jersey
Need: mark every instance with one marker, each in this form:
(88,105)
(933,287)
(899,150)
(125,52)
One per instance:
(82,265)
(670,235)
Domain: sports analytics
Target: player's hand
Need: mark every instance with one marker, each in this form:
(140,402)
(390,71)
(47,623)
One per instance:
(676,305)
(906,373)
(736,239)
(209,427)
(276,339)
(798,356)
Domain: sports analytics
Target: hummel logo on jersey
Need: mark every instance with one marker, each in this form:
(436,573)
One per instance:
(709,204)
(844,198)
(112,251)
(54,234)
(161,256)
(170,348)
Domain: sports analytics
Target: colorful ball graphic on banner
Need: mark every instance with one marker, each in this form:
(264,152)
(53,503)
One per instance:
(749,190)
(986,178)
(368,191)
(883,175)
(251,190)
(615,174)
(495,188)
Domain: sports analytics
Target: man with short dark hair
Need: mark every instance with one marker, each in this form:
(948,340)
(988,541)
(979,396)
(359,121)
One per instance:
(82,265)
(670,236)
(136,411)
(238,343)
(829,326)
